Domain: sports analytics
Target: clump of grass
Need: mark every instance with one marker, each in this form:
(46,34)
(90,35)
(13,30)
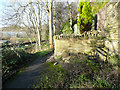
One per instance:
(43,53)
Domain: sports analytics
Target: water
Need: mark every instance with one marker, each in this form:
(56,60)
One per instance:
(11,33)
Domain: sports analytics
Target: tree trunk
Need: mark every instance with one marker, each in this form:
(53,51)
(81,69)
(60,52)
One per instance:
(39,39)
(70,19)
(70,13)
(50,25)
(37,27)
(54,19)
(40,28)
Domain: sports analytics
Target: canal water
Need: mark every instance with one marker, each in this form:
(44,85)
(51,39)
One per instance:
(11,33)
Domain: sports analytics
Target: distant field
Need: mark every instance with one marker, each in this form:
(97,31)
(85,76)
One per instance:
(14,28)
(25,39)
(21,40)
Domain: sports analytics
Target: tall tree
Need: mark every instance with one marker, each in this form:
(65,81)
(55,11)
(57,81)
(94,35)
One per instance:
(37,25)
(63,14)
(70,14)
(50,24)
(48,7)
(85,16)
(28,14)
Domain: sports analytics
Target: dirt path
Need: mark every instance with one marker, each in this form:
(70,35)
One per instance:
(29,75)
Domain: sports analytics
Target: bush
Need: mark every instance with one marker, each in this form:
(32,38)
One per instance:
(85,16)
(66,28)
(12,61)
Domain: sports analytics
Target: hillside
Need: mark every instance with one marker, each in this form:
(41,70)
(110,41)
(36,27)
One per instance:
(12,28)
(96,6)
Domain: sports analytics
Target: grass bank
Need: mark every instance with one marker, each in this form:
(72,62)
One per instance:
(14,61)
(80,72)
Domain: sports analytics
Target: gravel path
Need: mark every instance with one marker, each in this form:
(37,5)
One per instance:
(29,75)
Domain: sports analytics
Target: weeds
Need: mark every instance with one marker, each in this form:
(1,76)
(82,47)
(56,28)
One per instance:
(53,77)
(79,73)
(16,59)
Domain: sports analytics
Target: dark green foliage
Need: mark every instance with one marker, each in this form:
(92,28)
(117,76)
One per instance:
(85,16)
(66,27)
(13,59)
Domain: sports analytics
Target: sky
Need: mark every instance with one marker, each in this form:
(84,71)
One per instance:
(4,3)
(2,6)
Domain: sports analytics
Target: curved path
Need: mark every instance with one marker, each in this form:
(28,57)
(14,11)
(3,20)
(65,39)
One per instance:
(29,75)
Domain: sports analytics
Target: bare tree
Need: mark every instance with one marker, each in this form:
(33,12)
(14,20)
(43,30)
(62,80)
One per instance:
(63,14)
(49,11)
(37,24)
(29,15)
(70,14)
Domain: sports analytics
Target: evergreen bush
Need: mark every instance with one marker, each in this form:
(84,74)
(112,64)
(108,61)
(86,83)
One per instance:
(85,16)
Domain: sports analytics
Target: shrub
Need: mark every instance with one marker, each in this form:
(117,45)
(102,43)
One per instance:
(12,61)
(85,16)
(66,28)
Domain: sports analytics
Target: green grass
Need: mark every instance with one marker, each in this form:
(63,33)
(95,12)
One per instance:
(43,53)
(25,39)
(53,77)
(79,73)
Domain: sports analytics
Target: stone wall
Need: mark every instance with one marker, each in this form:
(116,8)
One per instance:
(71,45)
(108,23)
(80,43)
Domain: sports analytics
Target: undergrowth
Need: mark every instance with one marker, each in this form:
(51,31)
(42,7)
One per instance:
(15,60)
(78,73)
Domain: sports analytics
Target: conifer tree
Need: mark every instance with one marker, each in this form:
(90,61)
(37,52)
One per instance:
(85,16)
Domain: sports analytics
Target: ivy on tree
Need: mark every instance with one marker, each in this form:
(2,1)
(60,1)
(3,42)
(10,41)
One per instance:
(85,16)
